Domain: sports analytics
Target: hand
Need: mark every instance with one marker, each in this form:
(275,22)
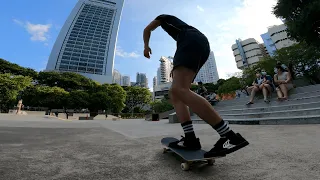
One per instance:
(146,52)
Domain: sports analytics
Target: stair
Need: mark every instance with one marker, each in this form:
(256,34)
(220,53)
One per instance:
(302,107)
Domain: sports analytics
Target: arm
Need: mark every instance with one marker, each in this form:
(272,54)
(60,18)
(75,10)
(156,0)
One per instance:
(289,78)
(146,36)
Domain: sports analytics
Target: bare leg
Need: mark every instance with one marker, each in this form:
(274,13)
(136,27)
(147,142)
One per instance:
(265,90)
(284,90)
(180,89)
(181,109)
(279,93)
(253,93)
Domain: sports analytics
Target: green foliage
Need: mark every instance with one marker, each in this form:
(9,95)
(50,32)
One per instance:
(137,96)
(304,59)
(161,106)
(301,18)
(14,69)
(229,86)
(78,99)
(67,80)
(10,88)
(45,96)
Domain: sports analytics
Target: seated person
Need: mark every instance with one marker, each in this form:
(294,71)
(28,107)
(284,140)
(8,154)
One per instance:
(283,82)
(266,86)
(202,91)
(255,86)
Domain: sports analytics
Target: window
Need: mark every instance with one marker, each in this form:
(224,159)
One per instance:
(64,62)
(82,64)
(63,67)
(72,67)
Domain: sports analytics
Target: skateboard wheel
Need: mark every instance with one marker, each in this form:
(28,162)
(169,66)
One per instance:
(165,150)
(211,162)
(184,166)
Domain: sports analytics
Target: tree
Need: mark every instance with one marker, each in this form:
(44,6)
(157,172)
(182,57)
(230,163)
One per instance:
(229,86)
(78,99)
(301,18)
(304,58)
(10,88)
(14,69)
(160,106)
(67,80)
(137,96)
(45,96)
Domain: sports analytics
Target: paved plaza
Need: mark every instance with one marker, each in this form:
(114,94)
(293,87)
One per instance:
(48,148)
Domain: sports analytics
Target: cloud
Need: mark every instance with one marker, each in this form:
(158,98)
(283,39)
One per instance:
(38,32)
(120,52)
(200,8)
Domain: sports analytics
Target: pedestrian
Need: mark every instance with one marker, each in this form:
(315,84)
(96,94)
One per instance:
(192,52)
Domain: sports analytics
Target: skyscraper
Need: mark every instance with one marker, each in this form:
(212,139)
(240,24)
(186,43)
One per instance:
(141,80)
(87,41)
(270,46)
(116,77)
(166,66)
(126,81)
(246,52)
(208,73)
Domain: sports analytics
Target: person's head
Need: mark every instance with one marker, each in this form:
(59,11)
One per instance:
(258,73)
(279,69)
(263,72)
(200,83)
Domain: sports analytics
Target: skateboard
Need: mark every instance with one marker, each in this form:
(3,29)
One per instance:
(190,157)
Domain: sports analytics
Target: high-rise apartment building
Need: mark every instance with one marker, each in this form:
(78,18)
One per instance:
(126,81)
(276,38)
(155,81)
(166,66)
(208,73)
(116,77)
(142,80)
(269,44)
(279,36)
(87,41)
(246,52)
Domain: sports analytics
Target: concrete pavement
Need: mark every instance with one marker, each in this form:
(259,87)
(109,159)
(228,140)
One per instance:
(42,148)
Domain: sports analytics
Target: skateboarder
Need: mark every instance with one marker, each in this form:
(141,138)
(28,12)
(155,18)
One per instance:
(192,52)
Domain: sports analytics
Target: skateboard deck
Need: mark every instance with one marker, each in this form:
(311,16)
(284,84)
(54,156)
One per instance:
(189,156)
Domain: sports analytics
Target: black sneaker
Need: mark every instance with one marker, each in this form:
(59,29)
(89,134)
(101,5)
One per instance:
(226,146)
(185,143)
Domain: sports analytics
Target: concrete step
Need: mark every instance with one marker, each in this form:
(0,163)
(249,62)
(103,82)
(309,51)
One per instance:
(261,103)
(271,108)
(288,113)
(273,97)
(314,119)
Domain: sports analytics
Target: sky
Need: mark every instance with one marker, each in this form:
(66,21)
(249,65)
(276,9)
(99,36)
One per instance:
(29,30)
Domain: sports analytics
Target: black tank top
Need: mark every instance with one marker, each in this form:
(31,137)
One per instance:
(173,25)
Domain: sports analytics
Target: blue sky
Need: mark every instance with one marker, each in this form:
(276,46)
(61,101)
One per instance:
(30,28)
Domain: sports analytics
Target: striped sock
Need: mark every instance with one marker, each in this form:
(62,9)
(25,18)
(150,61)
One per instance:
(188,129)
(223,129)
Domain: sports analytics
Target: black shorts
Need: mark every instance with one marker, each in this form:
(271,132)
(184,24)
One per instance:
(193,50)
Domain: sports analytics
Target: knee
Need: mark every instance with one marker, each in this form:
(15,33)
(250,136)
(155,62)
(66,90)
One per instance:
(176,92)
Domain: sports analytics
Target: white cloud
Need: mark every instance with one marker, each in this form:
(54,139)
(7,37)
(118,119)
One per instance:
(120,52)
(200,8)
(38,32)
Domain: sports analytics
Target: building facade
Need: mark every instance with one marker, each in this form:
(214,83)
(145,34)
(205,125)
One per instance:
(142,80)
(279,36)
(269,44)
(166,66)
(208,73)
(126,81)
(116,77)
(87,41)
(246,52)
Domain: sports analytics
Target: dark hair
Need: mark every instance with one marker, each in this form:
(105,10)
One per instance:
(200,82)
(280,67)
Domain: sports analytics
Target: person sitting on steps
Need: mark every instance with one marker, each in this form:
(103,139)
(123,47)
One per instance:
(267,86)
(255,86)
(282,79)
